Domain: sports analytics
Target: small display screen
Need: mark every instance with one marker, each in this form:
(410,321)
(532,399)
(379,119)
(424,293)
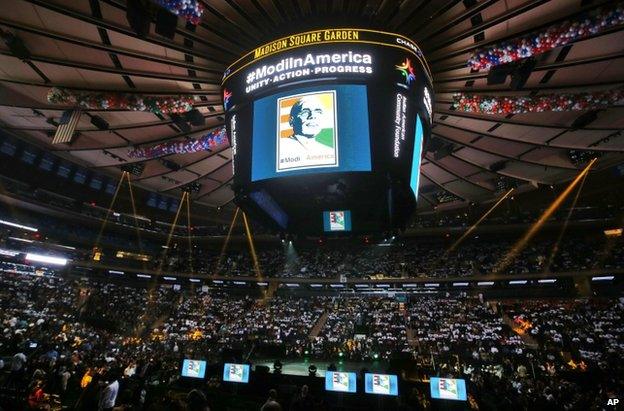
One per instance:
(337,220)
(193,368)
(340,381)
(448,389)
(236,373)
(382,384)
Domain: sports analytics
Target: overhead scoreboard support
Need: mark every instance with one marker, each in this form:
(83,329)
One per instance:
(329,122)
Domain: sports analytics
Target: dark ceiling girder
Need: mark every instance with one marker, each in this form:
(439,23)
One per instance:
(128,31)
(182,168)
(498,154)
(199,177)
(113,70)
(485,169)
(97,130)
(457,176)
(545,145)
(216,188)
(442,186)
(509,14)
(107,48)
(502,120)
(186,33)
(131,91)
(449,5)
(467,14)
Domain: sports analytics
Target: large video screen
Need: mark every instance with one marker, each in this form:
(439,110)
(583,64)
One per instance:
(193,368)
(448,389)
(416,158)
(236,373)
(340,381)
(337,220)
(311,130)
(383,384)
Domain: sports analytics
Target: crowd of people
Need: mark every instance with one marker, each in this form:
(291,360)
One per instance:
(91,344)
(405,257)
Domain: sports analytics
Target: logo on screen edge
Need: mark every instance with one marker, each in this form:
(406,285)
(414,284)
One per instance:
(226,98)
(407,71)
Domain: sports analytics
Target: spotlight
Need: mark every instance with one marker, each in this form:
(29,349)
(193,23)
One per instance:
(521,74)
(99,122)
(16,46)
(195,117)
(166,23)
(375,356)
(138,18)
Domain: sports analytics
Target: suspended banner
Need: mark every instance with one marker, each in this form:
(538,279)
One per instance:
(209,142)
(121,101)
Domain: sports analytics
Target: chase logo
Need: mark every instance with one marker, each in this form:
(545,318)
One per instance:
(407,71)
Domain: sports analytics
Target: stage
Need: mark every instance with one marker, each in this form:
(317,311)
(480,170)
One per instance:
(300,367)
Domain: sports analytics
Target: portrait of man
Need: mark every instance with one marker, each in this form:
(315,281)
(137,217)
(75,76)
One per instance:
(337,220)
(193,368)
(236,372)
(307,131)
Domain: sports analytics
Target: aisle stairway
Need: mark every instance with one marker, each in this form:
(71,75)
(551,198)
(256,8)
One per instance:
(320,323)
(411,338)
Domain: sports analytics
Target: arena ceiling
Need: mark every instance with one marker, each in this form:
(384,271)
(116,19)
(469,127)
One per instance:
(89,45)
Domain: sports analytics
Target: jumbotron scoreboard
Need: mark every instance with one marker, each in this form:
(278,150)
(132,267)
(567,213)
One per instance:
(328,129)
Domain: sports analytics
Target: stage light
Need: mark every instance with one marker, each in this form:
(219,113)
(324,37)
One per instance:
(23,240)
(8,253)
(518,282)
(547,281)
(460,284)
(23,227)
(485,283)
(116,272)
(432,284)
(375,356)
(144,276)
(613,232)
(194,280)
(340,354)
(46,259)
(603,278)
